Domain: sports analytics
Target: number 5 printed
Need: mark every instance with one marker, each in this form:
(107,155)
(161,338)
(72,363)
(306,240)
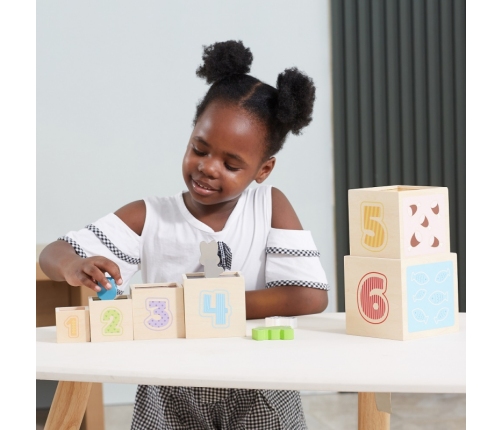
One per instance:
(371,300)
(374,230)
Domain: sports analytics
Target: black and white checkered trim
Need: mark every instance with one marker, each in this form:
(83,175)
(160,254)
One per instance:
(295,252)
(102,237)
(310,284)
(75,245)
(225,255)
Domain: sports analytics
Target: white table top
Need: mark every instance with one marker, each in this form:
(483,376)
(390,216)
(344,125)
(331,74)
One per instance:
(321,357)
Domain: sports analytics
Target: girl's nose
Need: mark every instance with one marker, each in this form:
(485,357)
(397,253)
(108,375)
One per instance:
(209,167)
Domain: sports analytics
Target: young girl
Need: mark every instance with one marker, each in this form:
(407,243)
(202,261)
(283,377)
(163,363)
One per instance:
(239,126)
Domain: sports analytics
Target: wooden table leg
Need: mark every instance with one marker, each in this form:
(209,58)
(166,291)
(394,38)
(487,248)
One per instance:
(68,405)
(368,416)
(94,417)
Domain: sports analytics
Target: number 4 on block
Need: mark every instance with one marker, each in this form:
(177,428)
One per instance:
(273,333)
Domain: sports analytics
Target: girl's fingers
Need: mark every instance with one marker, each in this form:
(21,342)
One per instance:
(95,273)
(86,281)
(112,269)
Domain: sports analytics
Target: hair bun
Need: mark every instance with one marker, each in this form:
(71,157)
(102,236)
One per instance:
(223,59)
(295,100)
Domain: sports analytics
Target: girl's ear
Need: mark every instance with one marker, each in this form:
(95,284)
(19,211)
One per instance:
(265,170)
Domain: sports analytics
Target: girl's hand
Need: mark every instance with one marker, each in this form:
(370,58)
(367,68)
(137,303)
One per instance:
(91,270)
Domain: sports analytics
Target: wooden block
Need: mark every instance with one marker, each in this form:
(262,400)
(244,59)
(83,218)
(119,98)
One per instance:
(401,298)
(111,320)
(214,307)
(399,221)
(281,321)
(72,324)
(273,333)
(158,311)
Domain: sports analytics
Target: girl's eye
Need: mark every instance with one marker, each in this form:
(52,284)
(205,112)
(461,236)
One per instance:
(197,152)
(232,169)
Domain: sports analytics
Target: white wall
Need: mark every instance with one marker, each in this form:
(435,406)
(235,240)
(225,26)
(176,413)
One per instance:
(116,94)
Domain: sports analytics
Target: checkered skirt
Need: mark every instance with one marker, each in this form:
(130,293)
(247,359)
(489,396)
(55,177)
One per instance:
(194,408)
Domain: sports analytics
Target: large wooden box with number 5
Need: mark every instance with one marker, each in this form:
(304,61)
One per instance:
(158,311)
(401,298)
(214,307)
(399,221)
(111,320)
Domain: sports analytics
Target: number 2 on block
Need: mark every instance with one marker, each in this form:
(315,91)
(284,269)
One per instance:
(374,230)
(72,324)
(220,312)
(371,300)
(113,317)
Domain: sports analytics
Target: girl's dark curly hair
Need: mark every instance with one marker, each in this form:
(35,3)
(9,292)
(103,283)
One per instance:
(283,109)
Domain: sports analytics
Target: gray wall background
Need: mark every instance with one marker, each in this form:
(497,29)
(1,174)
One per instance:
(116,94)
(399,82)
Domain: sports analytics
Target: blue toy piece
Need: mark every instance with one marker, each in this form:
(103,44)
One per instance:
(110,294)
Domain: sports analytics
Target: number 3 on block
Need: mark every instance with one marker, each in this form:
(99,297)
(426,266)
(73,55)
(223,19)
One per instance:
(371,301)
(374,230)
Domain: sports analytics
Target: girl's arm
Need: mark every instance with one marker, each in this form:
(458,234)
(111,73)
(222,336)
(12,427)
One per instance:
(284,300)
(59,261)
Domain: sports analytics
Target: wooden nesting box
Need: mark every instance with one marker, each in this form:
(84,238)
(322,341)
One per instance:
(401,298)
(214,307)
(72,324)
(158,311)
(399,221)
(111,320)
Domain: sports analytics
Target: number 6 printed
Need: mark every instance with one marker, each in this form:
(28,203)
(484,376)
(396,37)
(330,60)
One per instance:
(374,230)
(371,301)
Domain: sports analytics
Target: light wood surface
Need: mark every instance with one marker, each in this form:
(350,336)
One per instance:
(111,320)
(72,324)
(381,226)
(368,416)
(94,417)
(158,311)
(394,325)
(69,406)
(200,324)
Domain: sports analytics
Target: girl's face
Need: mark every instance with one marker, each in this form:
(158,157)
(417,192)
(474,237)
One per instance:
(224,155)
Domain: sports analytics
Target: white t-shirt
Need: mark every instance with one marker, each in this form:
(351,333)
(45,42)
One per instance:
(170,244)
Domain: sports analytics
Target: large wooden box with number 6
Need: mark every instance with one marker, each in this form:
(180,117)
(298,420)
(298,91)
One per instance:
(399,221)
(111,320)
(401,298)
(158,311)
(214,307)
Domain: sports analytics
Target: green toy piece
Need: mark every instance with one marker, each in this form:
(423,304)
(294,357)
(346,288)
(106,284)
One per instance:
(273,333)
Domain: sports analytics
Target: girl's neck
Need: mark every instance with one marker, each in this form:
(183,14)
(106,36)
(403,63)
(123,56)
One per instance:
(214,216)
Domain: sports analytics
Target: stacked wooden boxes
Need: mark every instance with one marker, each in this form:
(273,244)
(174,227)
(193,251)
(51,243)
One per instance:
(200,308)
(400,276)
